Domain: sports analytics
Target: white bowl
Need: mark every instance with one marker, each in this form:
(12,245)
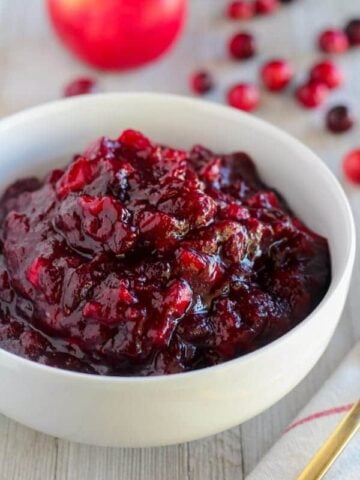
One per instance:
(136,412)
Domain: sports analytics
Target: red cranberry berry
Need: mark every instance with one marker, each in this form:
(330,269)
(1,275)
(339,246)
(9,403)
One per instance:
(351,166)
(201,82)
(312,94)
(339,119)
(333,41)
(265,7)
(328,73)
(277,74)
(244,96)
(242,46)
(352,31)
(80,86)
(240,10)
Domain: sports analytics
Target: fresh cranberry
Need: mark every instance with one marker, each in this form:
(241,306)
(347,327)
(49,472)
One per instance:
(333,41)
(240,10)
(242,46)
(265,7)
(312,94)
(328,73)
(277,74)
(80,86)
(351,166)
(352,31)
(244,96)
(201,82)
(141,259)
(339,119)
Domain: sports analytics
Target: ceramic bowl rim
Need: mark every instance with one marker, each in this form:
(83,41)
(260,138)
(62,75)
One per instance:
(50,108)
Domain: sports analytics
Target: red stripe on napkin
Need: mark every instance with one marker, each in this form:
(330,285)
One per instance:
(323,413)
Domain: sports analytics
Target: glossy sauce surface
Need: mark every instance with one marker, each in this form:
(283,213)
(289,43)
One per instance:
(140,259)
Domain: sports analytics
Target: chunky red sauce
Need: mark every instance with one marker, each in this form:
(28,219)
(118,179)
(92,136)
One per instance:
(140,259)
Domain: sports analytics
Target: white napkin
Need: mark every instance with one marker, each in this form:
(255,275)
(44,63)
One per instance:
(308,432)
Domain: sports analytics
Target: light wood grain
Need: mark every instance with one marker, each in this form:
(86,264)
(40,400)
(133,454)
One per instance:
(25,454)
(34,68)
(92,463)
(218,457)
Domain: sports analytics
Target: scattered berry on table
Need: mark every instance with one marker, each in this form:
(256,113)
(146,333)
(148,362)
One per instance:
(351,166)
(339,119)
(80,86)
(265,7)
(201,82)
(244,96)
(328,73)
(333,41)
(240,10)
(352,31)
(242,46)
(277,74)
(312,94)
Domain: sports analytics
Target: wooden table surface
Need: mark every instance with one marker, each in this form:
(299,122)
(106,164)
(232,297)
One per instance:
(33,69)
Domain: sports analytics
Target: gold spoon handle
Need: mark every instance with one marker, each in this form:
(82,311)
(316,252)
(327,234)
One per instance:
(333,446)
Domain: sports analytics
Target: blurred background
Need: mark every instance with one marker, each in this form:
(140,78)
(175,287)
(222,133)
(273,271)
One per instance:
(35,66)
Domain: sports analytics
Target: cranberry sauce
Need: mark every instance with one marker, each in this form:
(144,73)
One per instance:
(139,259)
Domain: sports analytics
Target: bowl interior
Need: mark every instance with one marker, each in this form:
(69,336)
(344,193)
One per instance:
(35,141)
